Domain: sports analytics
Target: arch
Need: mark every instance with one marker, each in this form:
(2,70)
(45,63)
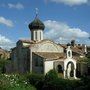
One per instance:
(69,60)
(70,69)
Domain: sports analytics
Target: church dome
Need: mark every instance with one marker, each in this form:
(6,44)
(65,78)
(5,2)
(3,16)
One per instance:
(36,24)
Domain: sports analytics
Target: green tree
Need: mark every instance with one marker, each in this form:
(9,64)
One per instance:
(2,65)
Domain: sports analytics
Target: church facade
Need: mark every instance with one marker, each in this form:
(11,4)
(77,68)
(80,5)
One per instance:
(41,55)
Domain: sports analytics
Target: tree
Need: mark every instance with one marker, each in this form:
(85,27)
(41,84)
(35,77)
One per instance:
(3,62)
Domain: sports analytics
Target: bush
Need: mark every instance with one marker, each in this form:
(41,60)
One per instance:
(55,84)
(14,82)
(51,75)
(34,78)
(50,81)
(2,65)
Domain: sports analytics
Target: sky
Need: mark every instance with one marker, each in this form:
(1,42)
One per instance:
(64,20)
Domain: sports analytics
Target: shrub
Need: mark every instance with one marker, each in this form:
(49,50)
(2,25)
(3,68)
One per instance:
(34,78)
(14,82)
(51,75)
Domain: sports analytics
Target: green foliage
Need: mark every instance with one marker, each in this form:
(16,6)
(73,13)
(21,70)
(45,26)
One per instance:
(22,87)
(88,61)
(83,60)
(34,78)
(51,75)
(86,82)
(88,55)
(14,82)
(2,65)
(53,82)
(50,81)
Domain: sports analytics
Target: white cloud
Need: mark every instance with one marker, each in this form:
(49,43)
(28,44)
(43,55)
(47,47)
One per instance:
(61,32)
(6,22)
(6,43)
(71,2)
(16,6)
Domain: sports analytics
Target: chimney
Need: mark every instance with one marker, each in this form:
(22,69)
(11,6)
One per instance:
(85,49)
(73,43)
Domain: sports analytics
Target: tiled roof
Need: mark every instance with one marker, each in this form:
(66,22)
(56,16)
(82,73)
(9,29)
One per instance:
(34,41)
(49,55)
(76,49)
(26,41)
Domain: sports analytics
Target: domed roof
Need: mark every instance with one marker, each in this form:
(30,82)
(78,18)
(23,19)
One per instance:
(36,24)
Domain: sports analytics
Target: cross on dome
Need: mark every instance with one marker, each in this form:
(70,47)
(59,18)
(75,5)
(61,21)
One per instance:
(37,12)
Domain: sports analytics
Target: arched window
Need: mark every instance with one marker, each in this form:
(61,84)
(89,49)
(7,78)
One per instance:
(32,35)
(69,53)
(36,35)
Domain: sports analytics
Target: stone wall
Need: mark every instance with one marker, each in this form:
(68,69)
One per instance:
(37,64)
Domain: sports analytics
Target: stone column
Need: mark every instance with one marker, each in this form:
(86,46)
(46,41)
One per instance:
(30,60)
(69,70)
(64,73)
(75,73)
(68,74)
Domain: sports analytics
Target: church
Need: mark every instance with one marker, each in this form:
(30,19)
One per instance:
(41,55)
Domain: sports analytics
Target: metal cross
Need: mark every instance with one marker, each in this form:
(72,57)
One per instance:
(37,10)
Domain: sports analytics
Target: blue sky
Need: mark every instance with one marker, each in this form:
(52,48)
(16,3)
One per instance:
(64,20)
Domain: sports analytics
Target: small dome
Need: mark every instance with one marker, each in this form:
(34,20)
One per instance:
(36,24)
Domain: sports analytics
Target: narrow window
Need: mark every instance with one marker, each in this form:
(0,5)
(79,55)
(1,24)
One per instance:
(69,54)
(36,35)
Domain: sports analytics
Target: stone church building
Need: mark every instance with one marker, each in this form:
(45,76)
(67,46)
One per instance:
(41,55)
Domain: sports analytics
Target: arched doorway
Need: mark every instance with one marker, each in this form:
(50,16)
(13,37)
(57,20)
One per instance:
(59,69)
(70,70)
